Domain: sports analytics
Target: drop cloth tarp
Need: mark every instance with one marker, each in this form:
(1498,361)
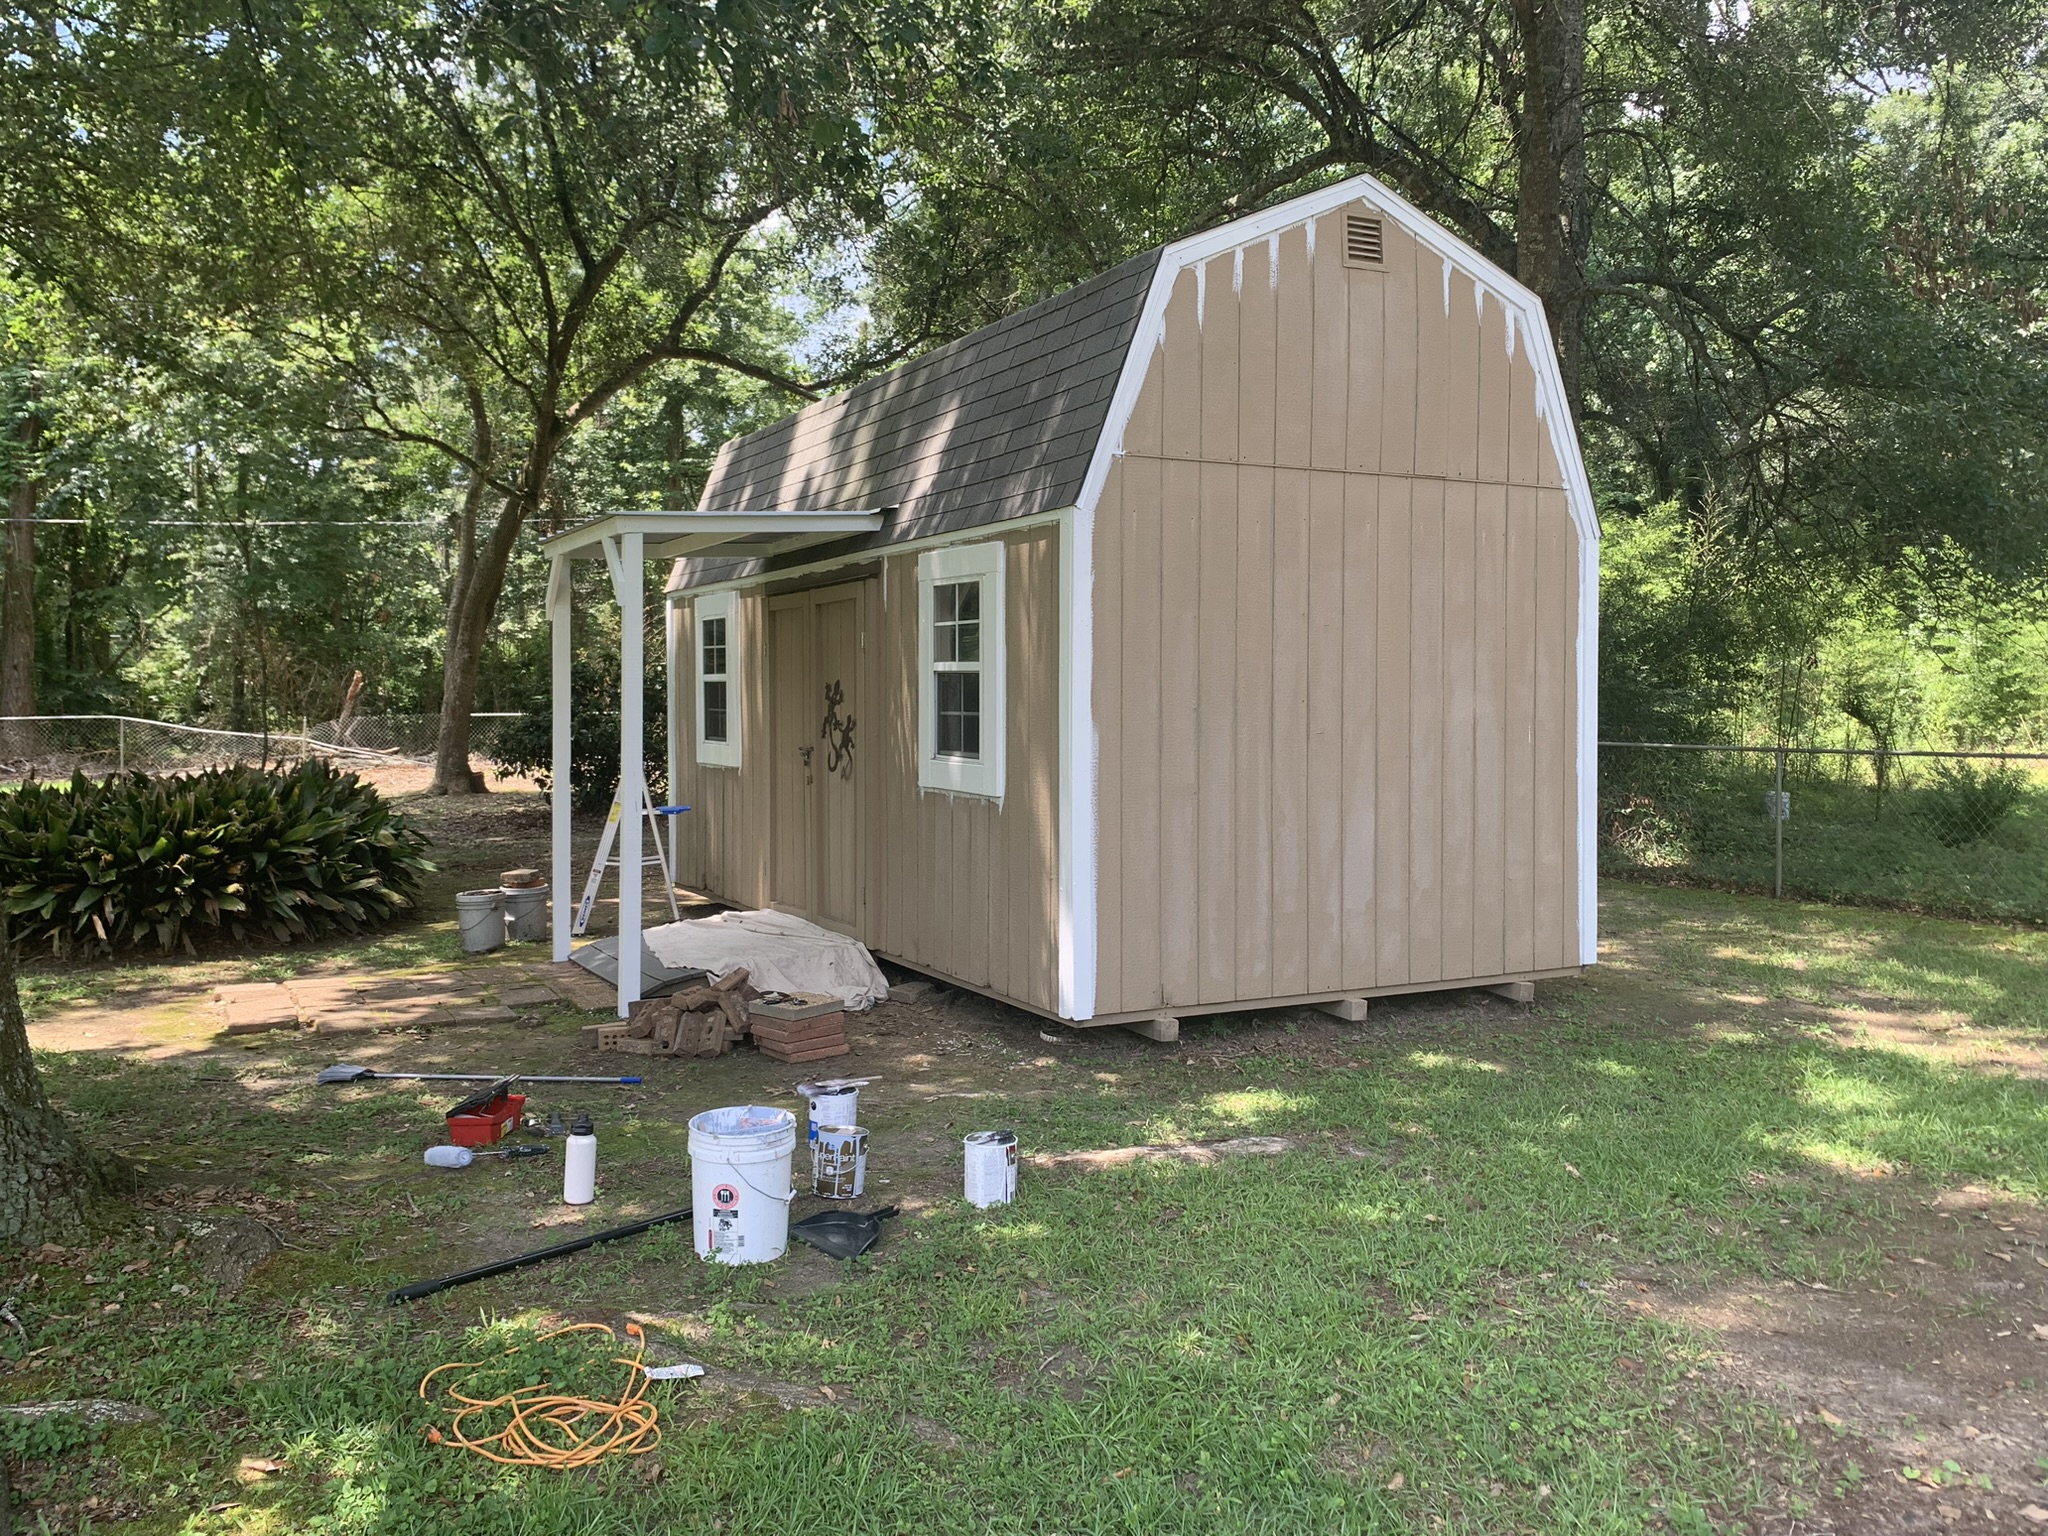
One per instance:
(781,953)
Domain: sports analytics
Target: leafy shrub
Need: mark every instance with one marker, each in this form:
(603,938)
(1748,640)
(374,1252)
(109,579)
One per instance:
(1965,804)
(130,860)
(527,745)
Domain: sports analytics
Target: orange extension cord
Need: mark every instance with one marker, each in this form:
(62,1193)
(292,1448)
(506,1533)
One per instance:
(545,1427)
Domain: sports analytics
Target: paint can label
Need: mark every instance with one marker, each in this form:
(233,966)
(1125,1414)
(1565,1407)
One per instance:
(839,1162)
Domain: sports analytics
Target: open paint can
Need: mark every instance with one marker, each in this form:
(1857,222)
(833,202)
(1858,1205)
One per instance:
(835,1101)
(839,1162)
(991,1168)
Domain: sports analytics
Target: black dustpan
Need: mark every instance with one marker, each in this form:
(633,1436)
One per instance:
(843,1234)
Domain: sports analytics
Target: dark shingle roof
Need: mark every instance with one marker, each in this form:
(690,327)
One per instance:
(997,425)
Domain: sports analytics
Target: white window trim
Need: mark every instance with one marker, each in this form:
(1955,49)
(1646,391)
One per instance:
(953,775)
(726,606)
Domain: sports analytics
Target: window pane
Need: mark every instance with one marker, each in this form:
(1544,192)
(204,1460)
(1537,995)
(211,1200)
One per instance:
(714,647)
(956,621)
(714,711)
(958,709)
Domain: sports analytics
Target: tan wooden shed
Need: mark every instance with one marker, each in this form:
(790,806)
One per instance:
(1225,638)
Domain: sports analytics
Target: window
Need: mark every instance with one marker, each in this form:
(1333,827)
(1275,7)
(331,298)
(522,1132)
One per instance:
(960,654)
(717,651)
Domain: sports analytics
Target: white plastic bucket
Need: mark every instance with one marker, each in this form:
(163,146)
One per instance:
(839,1162)
(832,1103)
(991,1168)
(526,912)
(739,1182)
(482,920)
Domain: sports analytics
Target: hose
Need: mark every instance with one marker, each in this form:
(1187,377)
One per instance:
(546,1427)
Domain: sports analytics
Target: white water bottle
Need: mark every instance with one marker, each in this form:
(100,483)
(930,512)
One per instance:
(579,1168)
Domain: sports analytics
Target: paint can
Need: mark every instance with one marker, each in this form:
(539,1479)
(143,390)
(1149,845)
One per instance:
(836,1101)
(481,916)
(839,1162)
(739,1182)
(991,1168)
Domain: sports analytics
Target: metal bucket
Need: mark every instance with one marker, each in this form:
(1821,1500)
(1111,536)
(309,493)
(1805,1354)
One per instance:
(839,1162)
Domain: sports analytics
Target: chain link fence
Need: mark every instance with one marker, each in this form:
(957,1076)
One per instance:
(1961,833)
(52,747)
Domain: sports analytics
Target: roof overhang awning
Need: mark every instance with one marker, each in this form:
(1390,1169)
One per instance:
(747,533)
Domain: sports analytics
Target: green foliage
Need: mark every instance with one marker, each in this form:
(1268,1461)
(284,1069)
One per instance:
(44,1436)
(527,745)
(239,851)
(1966,804)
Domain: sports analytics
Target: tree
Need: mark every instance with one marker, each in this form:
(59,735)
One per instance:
(47,1180)
(489,221)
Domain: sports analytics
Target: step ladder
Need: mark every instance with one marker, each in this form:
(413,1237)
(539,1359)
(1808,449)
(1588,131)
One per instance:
(654,814)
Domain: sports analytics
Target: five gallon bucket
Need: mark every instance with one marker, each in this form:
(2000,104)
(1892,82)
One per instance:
(991,1168)
(526,912)
(839,1161)
(482,919)
(739,1182)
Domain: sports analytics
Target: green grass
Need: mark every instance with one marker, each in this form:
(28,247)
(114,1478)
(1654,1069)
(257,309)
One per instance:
(1408,1323)
(1921,846)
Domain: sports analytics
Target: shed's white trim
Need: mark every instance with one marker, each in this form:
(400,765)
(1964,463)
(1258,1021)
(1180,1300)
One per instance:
(1081,827)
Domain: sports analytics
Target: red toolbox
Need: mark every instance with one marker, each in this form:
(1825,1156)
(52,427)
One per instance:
(483,1118)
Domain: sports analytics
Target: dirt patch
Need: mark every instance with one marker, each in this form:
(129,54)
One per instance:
(1922,1392)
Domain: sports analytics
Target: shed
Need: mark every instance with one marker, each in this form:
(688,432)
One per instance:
(1218,634)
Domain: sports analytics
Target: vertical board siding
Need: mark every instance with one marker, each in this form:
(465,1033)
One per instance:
(1216,898)
(963,885)
(1334,641)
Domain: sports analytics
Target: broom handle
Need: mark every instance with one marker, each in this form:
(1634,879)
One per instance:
(499,1077)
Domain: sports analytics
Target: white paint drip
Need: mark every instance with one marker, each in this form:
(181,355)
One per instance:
(1447,287)
(1237,270)
(1479,300)
(1511,332)
(1273,263)
(1201,291)
(1310,226)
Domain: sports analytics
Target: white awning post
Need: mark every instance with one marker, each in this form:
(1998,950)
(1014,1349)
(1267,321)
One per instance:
(672,636)
(559,586)
(629,577)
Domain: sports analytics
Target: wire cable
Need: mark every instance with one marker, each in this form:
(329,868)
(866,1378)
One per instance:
(547,1428)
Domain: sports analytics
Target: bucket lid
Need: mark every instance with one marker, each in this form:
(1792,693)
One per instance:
(990,1138)
(517,878)
(743,1120)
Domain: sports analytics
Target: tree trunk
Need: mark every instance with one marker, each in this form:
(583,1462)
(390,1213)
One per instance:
(18,593)
(1553,207)
(46,1178)
(472,599)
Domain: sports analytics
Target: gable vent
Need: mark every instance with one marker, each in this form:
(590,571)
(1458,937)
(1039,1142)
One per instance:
(1364,245)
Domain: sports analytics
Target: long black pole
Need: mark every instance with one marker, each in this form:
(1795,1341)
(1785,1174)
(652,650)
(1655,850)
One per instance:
(421,1288)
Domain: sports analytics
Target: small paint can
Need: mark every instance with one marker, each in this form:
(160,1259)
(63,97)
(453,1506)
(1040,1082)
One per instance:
(991,1168)
(835,1101)
(839,1162)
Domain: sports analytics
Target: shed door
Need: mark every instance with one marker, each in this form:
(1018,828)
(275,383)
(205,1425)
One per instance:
(817,679)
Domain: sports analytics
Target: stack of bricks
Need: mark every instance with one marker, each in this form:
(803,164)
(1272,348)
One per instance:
(800,1028)
(698,1021)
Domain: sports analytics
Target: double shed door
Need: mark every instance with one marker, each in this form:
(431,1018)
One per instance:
(822,751)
